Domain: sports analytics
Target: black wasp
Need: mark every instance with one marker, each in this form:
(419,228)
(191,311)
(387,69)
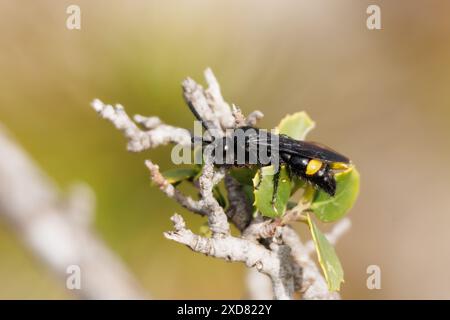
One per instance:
(310,161)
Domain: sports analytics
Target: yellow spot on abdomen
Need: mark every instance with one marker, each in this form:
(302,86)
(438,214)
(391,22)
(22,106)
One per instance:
(313,166)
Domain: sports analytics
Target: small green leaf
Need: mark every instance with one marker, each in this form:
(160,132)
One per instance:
(296,125)
(248,191)
(244,175)
(217,193)
(264,191)
(174,176)
(328,208)
(291,205)
(205,231)
(329,261)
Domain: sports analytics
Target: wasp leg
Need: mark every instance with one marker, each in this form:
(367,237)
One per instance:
(276,180)
(289,171)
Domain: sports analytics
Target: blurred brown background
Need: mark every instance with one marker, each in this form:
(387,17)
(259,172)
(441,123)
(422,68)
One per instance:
(380,96)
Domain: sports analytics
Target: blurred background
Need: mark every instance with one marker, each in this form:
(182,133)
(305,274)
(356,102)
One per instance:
(380,96)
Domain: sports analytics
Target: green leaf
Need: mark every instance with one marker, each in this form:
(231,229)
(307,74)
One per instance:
(328,260)
(248,191)
(296,125)
(174,176)
(328,208)
(244,175)
(263,190)
(217,193)
(205,231)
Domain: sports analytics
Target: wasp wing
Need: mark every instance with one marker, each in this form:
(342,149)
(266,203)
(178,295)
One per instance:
(308,149)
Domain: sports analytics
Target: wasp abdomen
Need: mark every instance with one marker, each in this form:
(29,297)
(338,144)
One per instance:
(314,171)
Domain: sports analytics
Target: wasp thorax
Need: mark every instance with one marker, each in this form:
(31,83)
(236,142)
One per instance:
(246,146)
